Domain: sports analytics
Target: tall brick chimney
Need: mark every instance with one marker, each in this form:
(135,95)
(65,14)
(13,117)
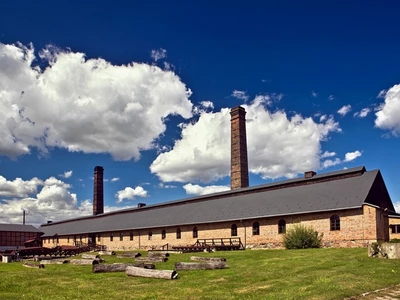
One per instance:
(98,192)
(239,164)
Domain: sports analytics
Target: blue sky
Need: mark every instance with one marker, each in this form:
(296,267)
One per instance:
(144,90)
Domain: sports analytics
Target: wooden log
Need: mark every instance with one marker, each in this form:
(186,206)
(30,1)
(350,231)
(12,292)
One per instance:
(54,261)
(152,258)
(207,259)
(129,254)
(84,261)
(106,252)
(90,256)
(200,265)
(157,254)
(140,272)
(118,267)
(31,265)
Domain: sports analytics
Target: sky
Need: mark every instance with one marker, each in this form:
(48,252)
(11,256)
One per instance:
(144,89)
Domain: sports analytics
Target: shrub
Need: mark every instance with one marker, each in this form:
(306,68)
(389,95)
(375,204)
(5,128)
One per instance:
(394,241)
(301,237)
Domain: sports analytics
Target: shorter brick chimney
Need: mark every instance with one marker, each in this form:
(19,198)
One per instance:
(309,174)
(98,191)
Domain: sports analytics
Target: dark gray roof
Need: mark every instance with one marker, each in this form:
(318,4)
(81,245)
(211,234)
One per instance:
(19,228)
(339,193)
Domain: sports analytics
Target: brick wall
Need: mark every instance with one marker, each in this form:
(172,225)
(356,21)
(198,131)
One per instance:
(358,227)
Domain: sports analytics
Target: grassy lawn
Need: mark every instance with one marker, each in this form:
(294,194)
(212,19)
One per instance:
(263,274)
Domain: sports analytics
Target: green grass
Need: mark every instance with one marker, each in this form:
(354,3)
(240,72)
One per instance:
(263,274)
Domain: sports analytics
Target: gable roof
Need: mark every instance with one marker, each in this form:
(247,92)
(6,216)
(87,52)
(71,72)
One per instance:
(340,190)
(19,228)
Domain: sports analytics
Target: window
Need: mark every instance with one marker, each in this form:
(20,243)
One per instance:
(121,236)
(335,222)
(195,233)
(234,230)
(281,226)
(98,238)
(111,237)
(256,228)
(178,233)
(395,228)
(131,236)
(163,234)
(80,239)
(150,235)
(68,239)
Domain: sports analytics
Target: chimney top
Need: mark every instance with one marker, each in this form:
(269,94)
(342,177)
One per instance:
(139,205)
(49,222)
(309,174)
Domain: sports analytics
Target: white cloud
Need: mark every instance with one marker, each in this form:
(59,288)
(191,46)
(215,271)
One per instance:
(241,95)
(314,94)
(166,186)
(202,107)
(114,179)
(382,94)
(344,110)
(277,145)
(130,193)
(86,105)
(66,174)
(330,162)
(397,206)
(194,189)
(328,154)
(331,97)
(323,118)
(352,155)
(158,54)
(19,187)
(388,114)
(363,113)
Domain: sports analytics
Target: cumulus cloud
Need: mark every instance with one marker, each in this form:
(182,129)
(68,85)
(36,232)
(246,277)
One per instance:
(114,179)
(278,145)
(158,54)
(86,105)
(363,113)
(130,193)
(66,174)
(388,113)
(344,110)
(349,156)
(328,154)
(194,189)
(314,94)
(203,107)
(19,187)
(352,155)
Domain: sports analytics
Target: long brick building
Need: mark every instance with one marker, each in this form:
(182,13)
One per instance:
(350,207)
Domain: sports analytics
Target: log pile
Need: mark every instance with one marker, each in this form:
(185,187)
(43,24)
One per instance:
(90,256)
(207,259)
(54,261)
(157,254)
(140,272)
(118,267)
(200,265)
(129,255)
(31,265)
(84,261)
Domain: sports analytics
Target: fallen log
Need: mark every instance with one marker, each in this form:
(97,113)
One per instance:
(157,254)
(200,265)
(118,267)
(31,265)
(129,254)
(54,261)
(207,259)
(90,256)
(84,261)
(152,258)
(140,272)
(106,252)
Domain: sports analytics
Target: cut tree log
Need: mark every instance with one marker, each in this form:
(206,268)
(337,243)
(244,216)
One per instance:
(200,265)
(152,258)
(84,261)
(157,254)
(207,259)
(140,272)
(117,267)
(54,261)
(129,254)
(90,256)
(106,252)
(31,265)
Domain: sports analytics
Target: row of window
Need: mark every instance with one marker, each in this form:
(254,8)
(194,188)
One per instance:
(334,222)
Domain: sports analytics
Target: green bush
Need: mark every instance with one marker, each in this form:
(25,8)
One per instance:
(394,241)
(301,237)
